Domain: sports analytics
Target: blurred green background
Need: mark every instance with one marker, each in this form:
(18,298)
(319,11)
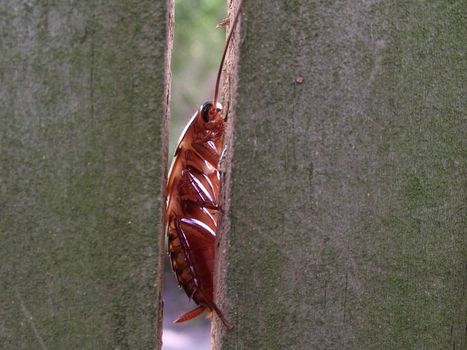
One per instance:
(198,46)
(196,56)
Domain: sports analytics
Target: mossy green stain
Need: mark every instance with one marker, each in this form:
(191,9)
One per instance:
(423,186)
(68,198)
(400,239)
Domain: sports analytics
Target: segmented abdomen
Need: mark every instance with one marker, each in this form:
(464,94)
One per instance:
(192,214)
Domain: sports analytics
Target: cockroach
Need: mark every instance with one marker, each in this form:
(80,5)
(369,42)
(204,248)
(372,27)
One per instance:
(192,208)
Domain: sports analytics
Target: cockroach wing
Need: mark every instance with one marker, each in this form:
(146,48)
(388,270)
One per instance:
(198,240)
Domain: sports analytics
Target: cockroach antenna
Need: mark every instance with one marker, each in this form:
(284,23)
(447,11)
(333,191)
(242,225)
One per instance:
(219,73)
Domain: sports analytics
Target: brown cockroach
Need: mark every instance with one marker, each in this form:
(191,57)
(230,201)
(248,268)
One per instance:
(192,208)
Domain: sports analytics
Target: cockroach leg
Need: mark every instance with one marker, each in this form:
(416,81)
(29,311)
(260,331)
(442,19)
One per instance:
(213,307)
(224,23)
(219,313)
(222,159)
(193,293)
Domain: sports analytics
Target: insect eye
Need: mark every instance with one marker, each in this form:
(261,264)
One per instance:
(205,111)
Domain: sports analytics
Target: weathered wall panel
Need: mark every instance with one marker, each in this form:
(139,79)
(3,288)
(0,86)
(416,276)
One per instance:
(82,91)
(347,202)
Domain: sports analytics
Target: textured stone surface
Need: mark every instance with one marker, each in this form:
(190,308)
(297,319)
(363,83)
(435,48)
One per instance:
(348,191)
(82,96)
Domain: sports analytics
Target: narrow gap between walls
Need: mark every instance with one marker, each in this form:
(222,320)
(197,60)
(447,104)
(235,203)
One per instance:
(196,53)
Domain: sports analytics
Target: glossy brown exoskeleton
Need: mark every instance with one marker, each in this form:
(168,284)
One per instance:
(192,209)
